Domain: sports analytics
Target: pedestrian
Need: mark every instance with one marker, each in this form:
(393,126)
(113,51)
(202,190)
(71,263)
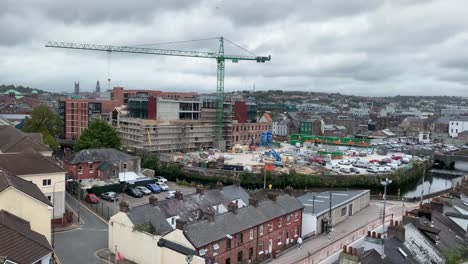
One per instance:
(299,243)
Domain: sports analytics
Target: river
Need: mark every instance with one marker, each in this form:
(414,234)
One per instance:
(438,180)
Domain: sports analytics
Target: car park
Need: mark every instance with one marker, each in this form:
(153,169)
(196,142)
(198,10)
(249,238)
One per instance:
(154,188)
(160,179)
(91,198)
(373,169)
(344,162)
(345,170)
(110,196)
(163,186)
(133,192)
(354,170)
(143,190)
(170,194)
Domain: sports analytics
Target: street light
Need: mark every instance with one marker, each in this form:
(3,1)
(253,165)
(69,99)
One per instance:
(53,209)
(384,183)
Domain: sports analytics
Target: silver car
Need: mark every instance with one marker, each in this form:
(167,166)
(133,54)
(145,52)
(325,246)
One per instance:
(143,190)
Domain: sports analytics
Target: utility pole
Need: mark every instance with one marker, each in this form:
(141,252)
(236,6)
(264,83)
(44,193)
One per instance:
(264,177)
(384,183)
(330,218)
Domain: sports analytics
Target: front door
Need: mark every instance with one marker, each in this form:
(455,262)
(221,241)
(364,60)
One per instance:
(350,210)
(287,237)
(270,245)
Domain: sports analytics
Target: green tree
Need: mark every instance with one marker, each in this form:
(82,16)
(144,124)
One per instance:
(99,134)
(151,162)
(44,121)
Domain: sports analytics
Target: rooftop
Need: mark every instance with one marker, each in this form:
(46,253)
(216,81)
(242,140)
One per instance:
(14,140)
(99,155)
(28,163)
(27,187)
(319,203)
(18,242)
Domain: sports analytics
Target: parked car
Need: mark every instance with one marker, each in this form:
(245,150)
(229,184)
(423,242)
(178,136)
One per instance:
(344,162)
(154,188)
(143,190)
(91,198)
(373,169)
(133,192)
(361,164)
(160,179)
(110,196)
(345,170)
(163,186)
(354,170)
(170,194)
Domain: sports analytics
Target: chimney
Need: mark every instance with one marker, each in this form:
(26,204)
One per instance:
(209,215)
(200,189)
(349,256)
(153,200)
(253,201)
(178,195)
(289,190)
(67,154)
(345,249)
(180,224)
(437,205)
(397,231)
(124,207)
(236,182)
(219,185)
(232,207)
(272,196)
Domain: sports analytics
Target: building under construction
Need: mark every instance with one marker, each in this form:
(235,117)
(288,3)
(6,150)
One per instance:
(158,124)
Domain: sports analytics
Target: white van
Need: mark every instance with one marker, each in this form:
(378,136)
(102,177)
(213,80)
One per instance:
(361,164)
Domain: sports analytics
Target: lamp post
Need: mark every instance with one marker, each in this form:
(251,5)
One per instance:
(53,209)
(384,183)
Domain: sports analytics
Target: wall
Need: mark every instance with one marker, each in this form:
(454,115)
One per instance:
(457,126)
(242,133)
(72,169)
(28,208)
(309,224)
(167,110)
(57,198)
(142,247)
(240,112)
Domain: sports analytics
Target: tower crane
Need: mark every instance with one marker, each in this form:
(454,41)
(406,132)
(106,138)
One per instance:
(219,56)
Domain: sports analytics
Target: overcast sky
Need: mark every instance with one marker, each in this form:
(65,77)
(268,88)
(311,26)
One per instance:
(363,47)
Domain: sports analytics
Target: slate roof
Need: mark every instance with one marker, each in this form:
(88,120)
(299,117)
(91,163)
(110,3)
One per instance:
(27,187)
(99,155)
(204,232)
(322,200)
(14,140)
(190,203)
(150,214)
(176,247)
(459,118)
(18,242)
(28,163)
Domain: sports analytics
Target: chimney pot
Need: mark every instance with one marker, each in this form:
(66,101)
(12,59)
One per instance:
(379,236)
(253,201)
(232,207)
(373,234)
(179,195)
(396,223)
(124,207)
(345,249)
(369,233)
(153,200)
(391,222)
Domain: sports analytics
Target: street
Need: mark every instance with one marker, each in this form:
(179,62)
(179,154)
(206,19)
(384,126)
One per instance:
(360,219)
(79,245)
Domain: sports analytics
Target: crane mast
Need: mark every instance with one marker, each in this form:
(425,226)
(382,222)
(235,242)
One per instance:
(219,56)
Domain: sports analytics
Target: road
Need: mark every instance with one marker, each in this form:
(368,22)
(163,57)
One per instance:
(79,245)
(366,215)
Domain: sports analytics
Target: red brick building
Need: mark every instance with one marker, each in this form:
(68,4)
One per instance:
(243,133)
(249,234)
(76,113)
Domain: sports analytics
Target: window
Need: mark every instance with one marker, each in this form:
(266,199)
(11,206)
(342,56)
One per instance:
(288,219)
(239,256)
(296,216)
(125,166)
(270,227)
(280,239)
(91,168)
(215,249)
(251,234)
(280,222)
(261,230)
(260,247)
(451,130)
(172,220)
(49,197)
(46,182)
(296,233)
(228,261)
(228,243)
(344,211)
(241,238)
(80,169)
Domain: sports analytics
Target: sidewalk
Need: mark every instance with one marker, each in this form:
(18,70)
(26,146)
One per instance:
(364,219)
(70,226)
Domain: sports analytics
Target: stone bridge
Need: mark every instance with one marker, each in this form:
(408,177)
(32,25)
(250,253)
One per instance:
(447,160)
